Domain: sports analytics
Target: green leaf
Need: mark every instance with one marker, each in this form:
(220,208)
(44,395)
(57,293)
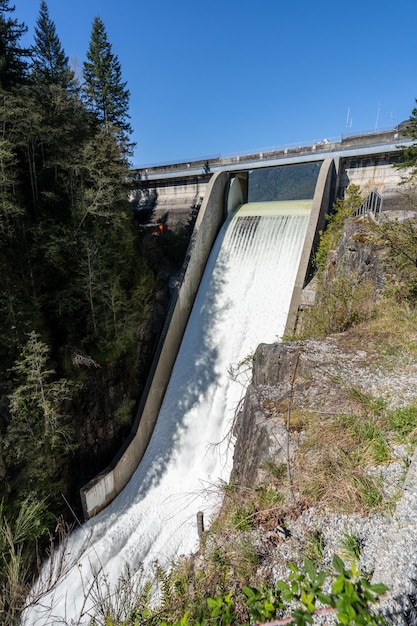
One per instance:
(295,586)
(250,592)
(287,596)
(344,618)
(338,585)
(301,617)
(338,564)
(324,598)
(308,601)
(228,598)
(310,569)
(379,588)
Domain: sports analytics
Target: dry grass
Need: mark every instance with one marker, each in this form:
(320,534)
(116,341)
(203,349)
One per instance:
(331,465)
(391,332)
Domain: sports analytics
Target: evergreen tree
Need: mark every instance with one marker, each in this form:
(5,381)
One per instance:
(105,93)
(13,65)
(50,64)
(39,434)
(410,152)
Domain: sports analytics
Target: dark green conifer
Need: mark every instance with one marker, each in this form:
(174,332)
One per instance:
(50,64)
(13,66)
(105,93)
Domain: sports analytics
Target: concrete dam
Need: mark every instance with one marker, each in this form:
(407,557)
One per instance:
(247,267)
(224,194)
(213,189)
(244,288)
(174,191)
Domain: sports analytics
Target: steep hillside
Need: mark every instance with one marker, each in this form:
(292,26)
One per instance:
(324,460)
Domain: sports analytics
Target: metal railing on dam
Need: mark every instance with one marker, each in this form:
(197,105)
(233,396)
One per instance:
(372,204)
(367,144)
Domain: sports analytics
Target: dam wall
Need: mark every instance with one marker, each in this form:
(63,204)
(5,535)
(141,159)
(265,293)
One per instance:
(374,142)
(172,193)
(374,172)
(171,202)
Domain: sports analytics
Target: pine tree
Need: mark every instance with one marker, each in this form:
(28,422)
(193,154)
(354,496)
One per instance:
(50,64)
(13,66)
(105,93)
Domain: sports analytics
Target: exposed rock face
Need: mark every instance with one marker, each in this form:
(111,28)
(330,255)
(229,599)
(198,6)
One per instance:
(276,363)
(259,438)
(255,442)
(290,379)
(299,376)
(354,252)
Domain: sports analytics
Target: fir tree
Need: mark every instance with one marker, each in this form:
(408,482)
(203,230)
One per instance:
(13,65)
(50,64)
(105,93)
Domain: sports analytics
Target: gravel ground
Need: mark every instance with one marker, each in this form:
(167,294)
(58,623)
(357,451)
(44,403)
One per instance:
(388,548)
(396,559)
(388,543)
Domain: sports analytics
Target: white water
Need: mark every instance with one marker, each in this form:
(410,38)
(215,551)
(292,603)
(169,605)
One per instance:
(243,300)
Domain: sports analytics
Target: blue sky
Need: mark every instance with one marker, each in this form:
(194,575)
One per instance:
(230,76)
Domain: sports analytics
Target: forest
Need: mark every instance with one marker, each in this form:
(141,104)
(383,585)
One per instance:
(83,293)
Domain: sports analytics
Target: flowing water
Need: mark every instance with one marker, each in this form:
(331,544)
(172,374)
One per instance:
(243,300)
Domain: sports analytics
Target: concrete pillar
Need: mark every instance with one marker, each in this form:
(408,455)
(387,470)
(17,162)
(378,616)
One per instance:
(322,202)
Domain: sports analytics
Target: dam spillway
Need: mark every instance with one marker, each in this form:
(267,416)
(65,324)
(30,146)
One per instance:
(243,300)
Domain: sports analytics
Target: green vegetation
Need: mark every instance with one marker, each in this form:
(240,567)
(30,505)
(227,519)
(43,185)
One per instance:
(409,153)
(342,591)
(77,284)
(333,462)
(17,538)
(50,65)
(76,288)
(403,422)
(343,208)
(398,240)
(105,93)
(345,296)
(351,548)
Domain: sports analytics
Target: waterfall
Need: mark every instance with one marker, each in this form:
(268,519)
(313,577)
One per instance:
(243,300)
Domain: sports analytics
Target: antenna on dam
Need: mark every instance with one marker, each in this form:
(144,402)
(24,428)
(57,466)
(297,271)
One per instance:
(348,119)
(377,115)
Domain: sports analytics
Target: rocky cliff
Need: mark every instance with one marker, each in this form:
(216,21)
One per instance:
(324,411)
